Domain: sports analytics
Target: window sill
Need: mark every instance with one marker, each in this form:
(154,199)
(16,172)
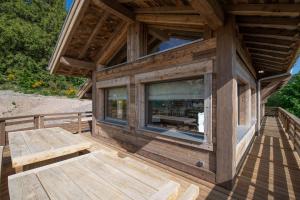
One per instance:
(155,133)
(114,124)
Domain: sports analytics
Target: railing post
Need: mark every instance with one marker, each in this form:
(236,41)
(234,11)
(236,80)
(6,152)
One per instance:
(2,133)
(79,122)
(36,122)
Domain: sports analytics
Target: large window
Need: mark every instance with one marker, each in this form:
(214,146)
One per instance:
(116,104)
(176,105)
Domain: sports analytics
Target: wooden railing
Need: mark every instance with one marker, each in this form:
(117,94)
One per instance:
(75,122)
(291,125)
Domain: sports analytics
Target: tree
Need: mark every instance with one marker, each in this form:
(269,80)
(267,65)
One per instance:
(29,31)
(288,97)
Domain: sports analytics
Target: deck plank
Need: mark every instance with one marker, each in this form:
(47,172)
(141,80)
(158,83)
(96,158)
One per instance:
(27,187)
(59,186)
(132,187)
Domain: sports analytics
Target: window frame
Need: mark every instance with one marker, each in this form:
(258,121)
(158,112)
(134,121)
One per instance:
(111,119)
(101,99)
(181,72)
(151,126)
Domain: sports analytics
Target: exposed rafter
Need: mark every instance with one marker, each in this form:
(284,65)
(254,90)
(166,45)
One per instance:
(211,11)
(167,10)
(74,63)
(93,34)
(171,19)
(291,10)
(269,22)
(114,7)
(116,41)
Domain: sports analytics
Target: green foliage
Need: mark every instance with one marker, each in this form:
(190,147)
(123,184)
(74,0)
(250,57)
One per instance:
(29,30)
(288,97)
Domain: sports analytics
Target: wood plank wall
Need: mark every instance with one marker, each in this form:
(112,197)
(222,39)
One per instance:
(175,153)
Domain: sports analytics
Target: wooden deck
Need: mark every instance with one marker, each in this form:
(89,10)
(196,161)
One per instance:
(270,171)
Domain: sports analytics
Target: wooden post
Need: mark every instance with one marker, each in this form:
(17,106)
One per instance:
(36,122)
(94,103)
(226,104)
(2,133)
(79,123)
(136,41)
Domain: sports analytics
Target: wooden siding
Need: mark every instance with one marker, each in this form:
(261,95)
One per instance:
(190,60)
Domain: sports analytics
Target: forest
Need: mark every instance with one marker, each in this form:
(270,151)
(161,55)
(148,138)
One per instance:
(288,97)
(29,31)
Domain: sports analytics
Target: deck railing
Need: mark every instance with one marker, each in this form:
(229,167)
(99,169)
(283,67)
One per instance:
(72,121)
(291,125)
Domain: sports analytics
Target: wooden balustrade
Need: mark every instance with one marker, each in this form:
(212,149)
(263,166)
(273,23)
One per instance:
(72,121)
(291,125)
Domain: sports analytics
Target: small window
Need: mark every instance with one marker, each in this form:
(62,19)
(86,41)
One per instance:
(176,105)
(116,104)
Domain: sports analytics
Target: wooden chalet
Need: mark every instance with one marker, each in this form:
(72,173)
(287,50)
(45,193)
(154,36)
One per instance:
(181,82)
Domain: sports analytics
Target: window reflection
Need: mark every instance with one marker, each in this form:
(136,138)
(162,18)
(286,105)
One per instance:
(116,103)
(176,105)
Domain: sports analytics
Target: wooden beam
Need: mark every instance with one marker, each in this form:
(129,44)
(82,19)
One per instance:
(280,37)
(115,42)
(211,11)
(275,54)
(269,22)
(270,45)
(166,10)
(115,8)
(269,40)
(267,47)
(290,10)
(136,41)
(178,27)
(267,61)
(171,19)
(93,34)
(159,34)
(74,63)
(284,53)
(261,55)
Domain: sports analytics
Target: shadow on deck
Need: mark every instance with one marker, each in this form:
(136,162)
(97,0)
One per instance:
(270,171)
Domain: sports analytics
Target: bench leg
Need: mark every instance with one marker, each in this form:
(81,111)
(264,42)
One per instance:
(19,169)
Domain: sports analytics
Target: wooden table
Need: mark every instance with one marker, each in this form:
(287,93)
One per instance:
(33,146)
(99,175)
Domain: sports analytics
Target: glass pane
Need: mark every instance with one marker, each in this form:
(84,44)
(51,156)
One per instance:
(177,105)
(117,103)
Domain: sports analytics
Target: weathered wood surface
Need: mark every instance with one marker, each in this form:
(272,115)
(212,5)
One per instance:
(74,122)
(99,175)
(28,147)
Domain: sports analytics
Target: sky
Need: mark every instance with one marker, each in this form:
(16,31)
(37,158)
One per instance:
(294,70)
(68,4)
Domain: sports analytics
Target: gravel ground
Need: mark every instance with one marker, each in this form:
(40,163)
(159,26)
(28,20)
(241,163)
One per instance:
(16,104)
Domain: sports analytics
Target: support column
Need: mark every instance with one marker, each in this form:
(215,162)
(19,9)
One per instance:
(136,48)
(94,103)
(258,108)
(226,104)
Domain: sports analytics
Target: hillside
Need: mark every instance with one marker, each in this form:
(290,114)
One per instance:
(16,104)
(288,97)
(29,31)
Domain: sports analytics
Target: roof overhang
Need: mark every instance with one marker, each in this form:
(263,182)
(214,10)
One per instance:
(95,30)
